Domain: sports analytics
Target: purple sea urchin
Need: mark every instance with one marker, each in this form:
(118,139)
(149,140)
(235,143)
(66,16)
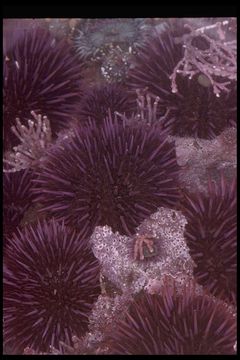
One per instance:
(211,236)
(51,280)
(97,101)
(17,198)
(114,175)
(173,323)
(194,107)
(41,75)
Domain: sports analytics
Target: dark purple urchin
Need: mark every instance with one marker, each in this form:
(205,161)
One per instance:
(17,198)
(211,235)
(41,75)
(115,175)
(194,108)
(50,282)
(174,323)
(97,102)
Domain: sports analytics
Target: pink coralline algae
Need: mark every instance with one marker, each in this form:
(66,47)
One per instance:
(194,108)
(35,139)
(116,252)
(213,60)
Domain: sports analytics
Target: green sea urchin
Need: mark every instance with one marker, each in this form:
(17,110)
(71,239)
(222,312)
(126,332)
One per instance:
(94,37)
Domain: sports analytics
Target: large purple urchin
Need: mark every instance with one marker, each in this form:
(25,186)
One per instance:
(174,323)
(97,101)
(211,235)
(195,109)
(41,75)
(17,198)
(51,280)
(115,175)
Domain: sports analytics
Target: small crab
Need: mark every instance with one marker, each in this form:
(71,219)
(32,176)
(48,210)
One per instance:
(144,247)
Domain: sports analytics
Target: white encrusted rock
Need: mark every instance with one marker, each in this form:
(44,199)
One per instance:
(115,252)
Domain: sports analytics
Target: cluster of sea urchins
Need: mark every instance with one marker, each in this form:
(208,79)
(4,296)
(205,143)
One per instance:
(195,109)
(41,75)
(115,175)
(111,171)
(175,323)
(51,280)
(211,235)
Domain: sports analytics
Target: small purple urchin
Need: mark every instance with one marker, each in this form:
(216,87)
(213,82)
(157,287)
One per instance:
(211,235)
(114,175)
(17,198)
(51,280)
(194,108)
(97,101)
(41,75)
(174,323)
